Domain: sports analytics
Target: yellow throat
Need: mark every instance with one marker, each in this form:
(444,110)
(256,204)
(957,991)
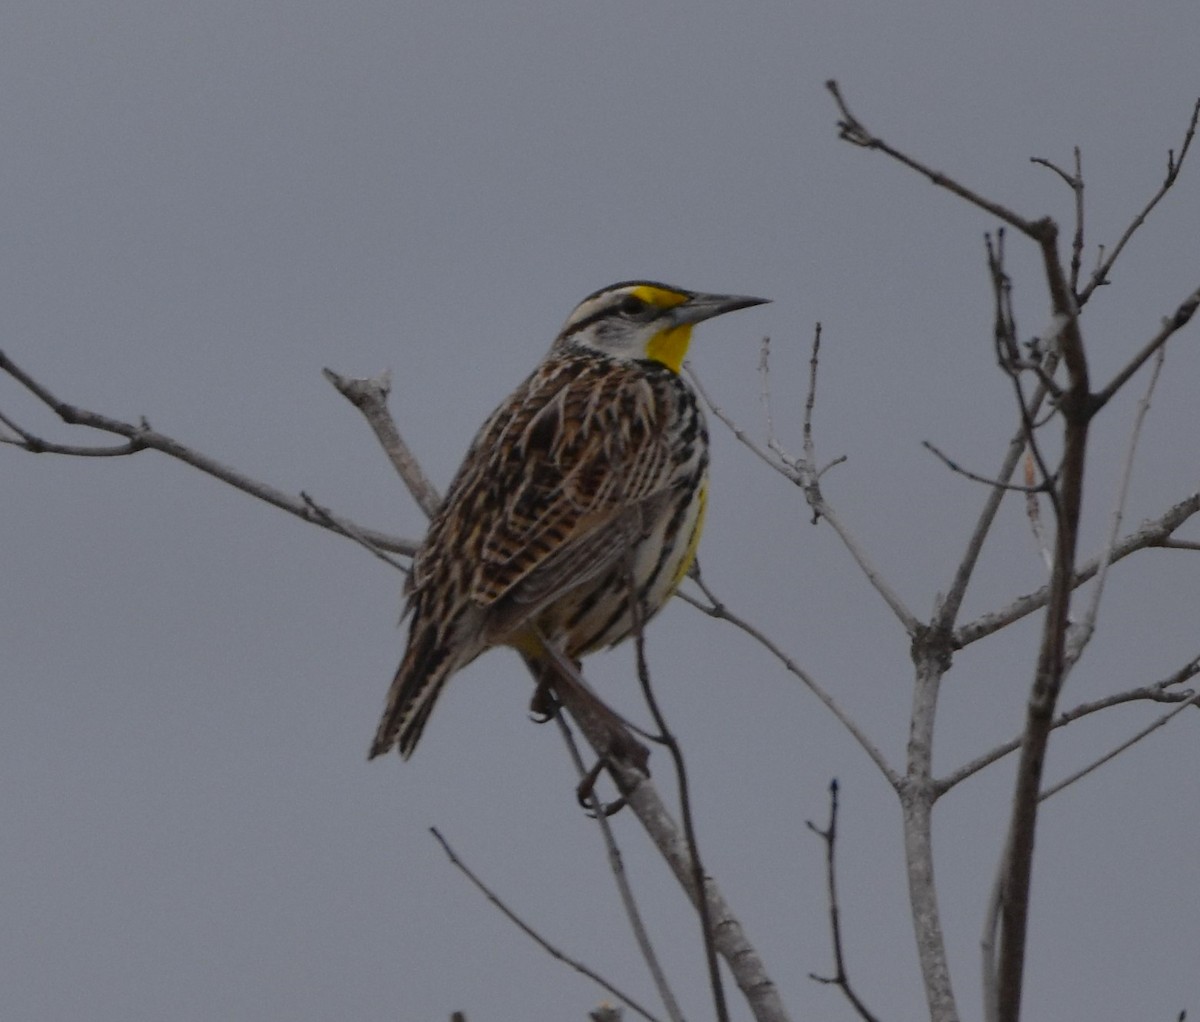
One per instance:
(667,346)
(670,346)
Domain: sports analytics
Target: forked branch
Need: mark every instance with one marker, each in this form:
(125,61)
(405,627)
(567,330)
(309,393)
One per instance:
(141,437)
(840,977)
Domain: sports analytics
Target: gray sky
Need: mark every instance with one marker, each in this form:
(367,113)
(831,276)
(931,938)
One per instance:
(202,205)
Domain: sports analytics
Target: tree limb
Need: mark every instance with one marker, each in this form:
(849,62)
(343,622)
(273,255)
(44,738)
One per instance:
(141,438)
(716,608)
(1153,533)
(370,396)
(840,979)
(1156,692)
(533,935)
(1174,165)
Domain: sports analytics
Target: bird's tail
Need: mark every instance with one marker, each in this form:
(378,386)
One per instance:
(422,673)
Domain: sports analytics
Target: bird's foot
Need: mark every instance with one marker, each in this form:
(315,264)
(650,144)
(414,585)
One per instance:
(543,706)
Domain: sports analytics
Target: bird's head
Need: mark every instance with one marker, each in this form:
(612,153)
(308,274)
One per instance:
(639,319)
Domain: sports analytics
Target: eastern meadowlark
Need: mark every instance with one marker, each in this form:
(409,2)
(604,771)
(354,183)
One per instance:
(587,485)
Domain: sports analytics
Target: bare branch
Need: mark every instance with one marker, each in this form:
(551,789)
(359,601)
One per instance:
(1077,410)
(1156,693)
(142,437)
(1100,275)
(1006,342)
(642,798)
(839,979)
(1149,729)
(852,130)
(743,960)
(1075,183)
(370,396)
(1170,325)
(764,375)
(809,480)
(1009,359)
(931,660)
(810,398)
(1082,634)
(771,459)
(1154,533)
(1041,161)
(533,935)
(1033,512)
(954,466)
(802,472)
(617,866)
(822,509)
(685,803)
(325,517)
(715,608)
(1179,544)
(37,445)
(947,612)
(987,943)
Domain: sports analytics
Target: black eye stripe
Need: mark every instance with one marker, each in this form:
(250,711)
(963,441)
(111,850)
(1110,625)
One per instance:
(630,305)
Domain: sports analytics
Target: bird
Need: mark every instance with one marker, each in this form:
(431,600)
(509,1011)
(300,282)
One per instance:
(588,484)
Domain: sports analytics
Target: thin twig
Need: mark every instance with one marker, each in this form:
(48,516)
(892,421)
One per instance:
(1012,365)
(1086,627)
(1154,533)
(1033,513)
(142,437)
(1156,693)
(810,401)
(946,612)
(329,519)
(1150,728)
(809,480)
(625,892)
(1170,325)
(803,473)
(954,466)
(1100,276)
(988,941)
(839,979)
(370,396)
(823,509)
(37,445)
(1179,544)
(667,737)
(536,937)
(1075,183)
(1077,238)
(764,375)
(744,438)
(852,130)
(716,608)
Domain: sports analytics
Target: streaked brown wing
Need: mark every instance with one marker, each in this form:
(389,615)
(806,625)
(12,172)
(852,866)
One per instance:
(572,462)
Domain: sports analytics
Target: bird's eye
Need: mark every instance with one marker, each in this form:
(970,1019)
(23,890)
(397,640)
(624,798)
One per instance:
(632,306)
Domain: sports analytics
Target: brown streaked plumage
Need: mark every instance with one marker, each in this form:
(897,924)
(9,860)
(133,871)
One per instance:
(596,464)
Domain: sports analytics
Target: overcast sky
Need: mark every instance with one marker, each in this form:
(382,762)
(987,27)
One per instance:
(201,205)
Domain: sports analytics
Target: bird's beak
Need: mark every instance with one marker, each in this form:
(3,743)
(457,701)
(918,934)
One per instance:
(701,307)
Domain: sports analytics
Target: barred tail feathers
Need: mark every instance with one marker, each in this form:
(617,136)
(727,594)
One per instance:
(419,679)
